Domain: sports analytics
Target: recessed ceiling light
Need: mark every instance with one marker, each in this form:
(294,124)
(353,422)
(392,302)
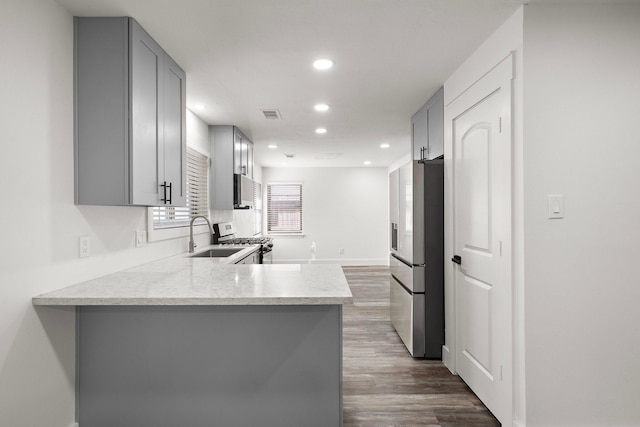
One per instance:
(320,131)
(323,64)
(272,146)
(367,162)
(321,107)
(385,145)
(199,107)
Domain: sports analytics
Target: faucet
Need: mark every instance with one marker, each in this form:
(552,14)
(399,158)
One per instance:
(192,245)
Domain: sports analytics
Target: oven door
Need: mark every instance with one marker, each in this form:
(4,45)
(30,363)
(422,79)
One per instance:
(266,257)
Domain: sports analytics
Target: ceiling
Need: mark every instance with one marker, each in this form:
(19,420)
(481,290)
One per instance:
(243,56)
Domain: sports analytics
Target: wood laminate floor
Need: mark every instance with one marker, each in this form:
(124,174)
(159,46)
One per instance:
(383,384)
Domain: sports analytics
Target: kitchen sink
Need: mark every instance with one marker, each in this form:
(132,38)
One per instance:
(216,253)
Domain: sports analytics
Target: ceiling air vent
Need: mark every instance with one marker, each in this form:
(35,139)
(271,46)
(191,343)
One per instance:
(271,114)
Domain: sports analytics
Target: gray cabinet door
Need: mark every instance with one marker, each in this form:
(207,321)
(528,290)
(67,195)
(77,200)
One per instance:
(146,97)
(419,132)
(232,153)
(172,157)
(129,116)
(428,128)
(237,151)
(249,159)
(242,154)
(244,157)
(225,143)
(101,111)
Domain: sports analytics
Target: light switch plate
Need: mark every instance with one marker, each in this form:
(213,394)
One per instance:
(555,206)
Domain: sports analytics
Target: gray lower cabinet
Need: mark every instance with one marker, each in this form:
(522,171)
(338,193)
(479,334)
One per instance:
(203,366)
(254,258)
(428,128)
(130,117)
(231,154)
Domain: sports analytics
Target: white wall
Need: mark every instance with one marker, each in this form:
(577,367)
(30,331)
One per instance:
(342,208)
(41,225)
(582,92)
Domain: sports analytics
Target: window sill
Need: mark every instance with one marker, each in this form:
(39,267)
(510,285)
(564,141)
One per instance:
(285,234)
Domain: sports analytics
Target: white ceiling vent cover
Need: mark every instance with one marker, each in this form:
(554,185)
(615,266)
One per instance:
(271,114)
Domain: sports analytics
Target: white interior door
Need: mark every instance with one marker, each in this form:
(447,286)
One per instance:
(481,129)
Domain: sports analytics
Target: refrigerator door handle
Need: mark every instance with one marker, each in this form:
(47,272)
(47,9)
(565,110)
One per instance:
(402,260)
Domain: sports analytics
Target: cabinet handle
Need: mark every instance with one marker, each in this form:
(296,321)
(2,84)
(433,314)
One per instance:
(164,192)
(164,186)
(423,157)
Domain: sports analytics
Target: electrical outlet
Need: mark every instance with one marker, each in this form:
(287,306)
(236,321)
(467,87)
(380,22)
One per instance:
(84,246)
(341,251)
(141,238)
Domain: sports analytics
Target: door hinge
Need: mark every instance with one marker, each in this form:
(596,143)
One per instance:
(500,248)
(500,125)
(500,372)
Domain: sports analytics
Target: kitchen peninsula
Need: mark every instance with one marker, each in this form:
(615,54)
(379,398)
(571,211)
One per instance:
(189,341)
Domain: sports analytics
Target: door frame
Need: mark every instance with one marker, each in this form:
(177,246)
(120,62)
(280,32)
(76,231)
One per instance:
(470,96)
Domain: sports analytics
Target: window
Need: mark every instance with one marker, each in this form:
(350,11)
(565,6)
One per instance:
(284,208)
(197,203)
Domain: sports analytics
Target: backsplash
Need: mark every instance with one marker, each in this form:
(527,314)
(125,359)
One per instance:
(244,221)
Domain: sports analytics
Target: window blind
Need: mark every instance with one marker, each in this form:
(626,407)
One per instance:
(284,208)
(197,202)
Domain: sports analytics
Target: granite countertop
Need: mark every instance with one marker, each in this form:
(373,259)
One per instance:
(181,280)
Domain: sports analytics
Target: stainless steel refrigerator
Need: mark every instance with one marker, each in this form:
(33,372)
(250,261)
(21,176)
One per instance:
(417,256)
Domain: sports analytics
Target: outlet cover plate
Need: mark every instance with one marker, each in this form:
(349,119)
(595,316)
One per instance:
(84,246)
(141,238)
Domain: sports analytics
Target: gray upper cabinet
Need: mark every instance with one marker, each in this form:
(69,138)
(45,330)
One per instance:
(242,154)
(231,154)
(428,128)
(130,117)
